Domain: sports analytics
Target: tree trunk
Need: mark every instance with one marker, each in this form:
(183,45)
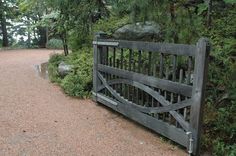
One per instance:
(28,33)
(209,14)
(65,44)
(173,17)
(5,42)
(42,37)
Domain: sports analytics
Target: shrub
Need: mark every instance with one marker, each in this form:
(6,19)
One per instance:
(55,44)
(79,82)
(110,25)
(54,61)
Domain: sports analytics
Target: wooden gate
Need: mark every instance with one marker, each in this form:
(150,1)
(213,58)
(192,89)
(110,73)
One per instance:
(159,85)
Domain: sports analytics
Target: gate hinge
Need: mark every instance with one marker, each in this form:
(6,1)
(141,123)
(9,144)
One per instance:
(190,147)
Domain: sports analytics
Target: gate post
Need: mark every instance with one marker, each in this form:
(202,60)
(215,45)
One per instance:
(198,93)
(97,54)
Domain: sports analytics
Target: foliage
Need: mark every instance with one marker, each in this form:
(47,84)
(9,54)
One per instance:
(7,12)
(55,44)
(79,82)
(53,64)
(220,127)
(110,25)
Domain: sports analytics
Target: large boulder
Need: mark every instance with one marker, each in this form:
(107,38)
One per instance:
(64,69)
(147,31)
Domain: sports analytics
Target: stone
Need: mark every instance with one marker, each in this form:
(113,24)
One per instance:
(147,31)
(64,69)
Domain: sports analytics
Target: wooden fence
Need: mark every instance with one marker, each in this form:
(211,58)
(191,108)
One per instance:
(160,85)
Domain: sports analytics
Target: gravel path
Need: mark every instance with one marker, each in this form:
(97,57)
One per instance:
(36,118)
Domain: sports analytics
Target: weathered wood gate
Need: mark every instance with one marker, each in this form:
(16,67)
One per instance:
(159,85)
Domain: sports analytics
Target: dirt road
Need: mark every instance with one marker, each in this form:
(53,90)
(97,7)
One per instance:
(37,119)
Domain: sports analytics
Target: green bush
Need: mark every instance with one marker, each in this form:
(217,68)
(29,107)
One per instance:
(111,24)
(79,38)
(79,82)
(54,61)
(220,148)
(219,120)
(55,44)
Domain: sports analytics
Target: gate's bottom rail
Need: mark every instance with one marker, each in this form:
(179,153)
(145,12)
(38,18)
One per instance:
(173,133)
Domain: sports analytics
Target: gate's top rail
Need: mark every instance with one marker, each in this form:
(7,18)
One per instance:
(168,48)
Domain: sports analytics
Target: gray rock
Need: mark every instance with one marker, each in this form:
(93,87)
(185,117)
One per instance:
(147,31)
(64,69)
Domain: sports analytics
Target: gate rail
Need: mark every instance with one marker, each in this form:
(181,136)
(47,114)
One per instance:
(159,85)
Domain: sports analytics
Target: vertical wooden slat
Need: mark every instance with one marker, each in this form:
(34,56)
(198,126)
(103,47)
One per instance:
(139,70)
(149,71)
(161,68)
(121,58)
(130,58)
(118,85)
(125,86)
(188,81)
(173,78)
(142,70)
(121,67)
(154,71)
(161,65)
(165,92)
(130,64)
(149,63)
(114,64)
(139,60)
(179,96)
(114,57)
(133,88)
(110,76)
(105,57)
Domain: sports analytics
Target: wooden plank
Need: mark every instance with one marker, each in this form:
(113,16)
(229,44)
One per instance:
(125,86)
(179,96)
(174,68)
(110,75)
(175,87)
(167,48)
(149,71)
(154,71)
(114,64)
(121,67)
(161,72)
(139,71)
(117,76)
(105,54)
(188,81)
(199,83)
(130,67)
(161,65)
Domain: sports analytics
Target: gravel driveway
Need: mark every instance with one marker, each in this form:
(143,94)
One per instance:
(37,119)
